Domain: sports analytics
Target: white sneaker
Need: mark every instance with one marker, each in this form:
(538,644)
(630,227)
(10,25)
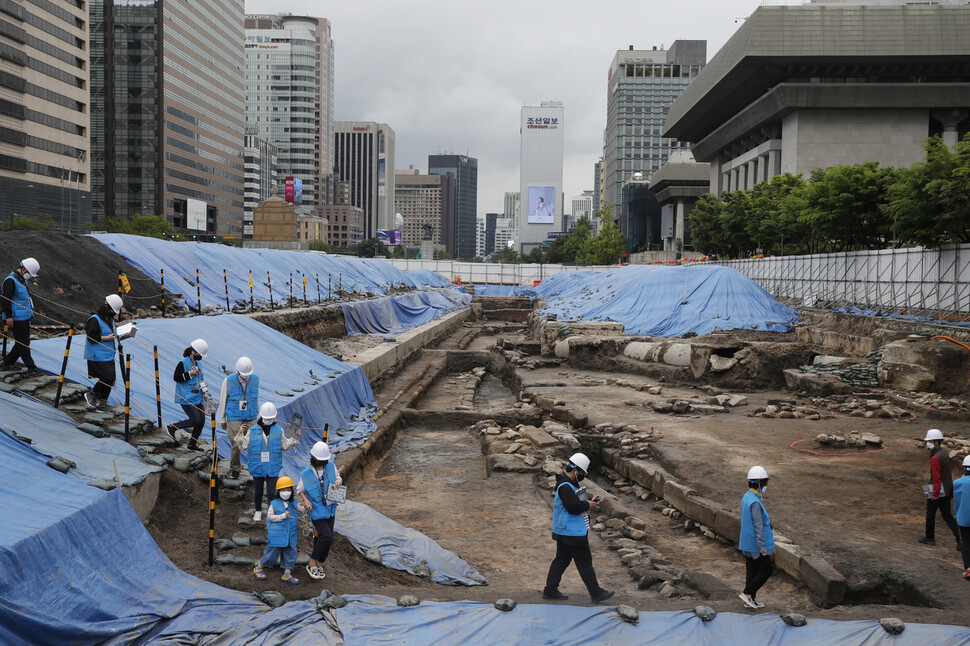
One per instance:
(315,571)
(748,601)
(258,516)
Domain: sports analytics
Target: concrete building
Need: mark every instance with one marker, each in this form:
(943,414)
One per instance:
(364,158)
(811,86)
(480,238)
(261,176)
(505,232)
(289,98)
(459,238)
(44,108)
(540,174)
(168,112)
(510,209)
(638,215)
(490,220)
(641,87)
(311,227)
(427,204)
(582,206)
(678,185)
(597,183)
(345,221)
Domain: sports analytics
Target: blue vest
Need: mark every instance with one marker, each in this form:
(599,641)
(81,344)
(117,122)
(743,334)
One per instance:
(282,533)
(315,490)
(237,394)
(258,445)
(21,305)
(104,350)
(564,523)
(749,540)
(961,497)
(183,389)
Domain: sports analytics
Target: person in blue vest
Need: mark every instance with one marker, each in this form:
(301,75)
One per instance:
(18,309)
(238,407)
(282,520)
(191,392)
(757,543)
(264,445)
(100,349)
(961,498)
(570,530)
(312,488)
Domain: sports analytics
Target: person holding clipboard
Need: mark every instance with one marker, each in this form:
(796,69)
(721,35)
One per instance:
(313,487)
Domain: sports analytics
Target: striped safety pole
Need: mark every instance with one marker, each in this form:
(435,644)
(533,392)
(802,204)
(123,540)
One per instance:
(213,492)
(317,276)
(329,287)
(326,432)
(291,289)
(158,390)
(198,290)
(269,281)
(304,289)
(251,306)
(60,380)
(163,293)
(225,280)
(120,292)
(5,338)
(127,394)
(340,284)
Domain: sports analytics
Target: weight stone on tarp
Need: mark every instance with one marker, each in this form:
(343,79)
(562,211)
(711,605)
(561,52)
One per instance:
(61,464)
(706,613)
(333,602)
(628,614)
(374,556)
(794,619)
(271,598)
(505,605)
(408,601)
(107,484)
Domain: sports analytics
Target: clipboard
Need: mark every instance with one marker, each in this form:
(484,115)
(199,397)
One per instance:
(336,494)
(927,491)
(294,425)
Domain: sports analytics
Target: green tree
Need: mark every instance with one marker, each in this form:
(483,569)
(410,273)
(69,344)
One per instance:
(766,224)
(370,248)
(705,225)
(506,255)
(844,205)
(40,222)
(151,226)
(319,245)
(534,256)
(608,245)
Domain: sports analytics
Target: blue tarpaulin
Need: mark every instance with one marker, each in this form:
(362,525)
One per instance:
(665,301)
(504,290)
(427,278)
(394,315)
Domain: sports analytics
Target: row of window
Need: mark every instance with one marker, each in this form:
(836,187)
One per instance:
(55,31)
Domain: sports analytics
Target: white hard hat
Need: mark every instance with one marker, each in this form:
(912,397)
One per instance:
(320,451)
(581,461)
(966,461)
(114,301)
(268,411)
(757,473)
(200,346)
(933,434)
(244,366)
(31,265)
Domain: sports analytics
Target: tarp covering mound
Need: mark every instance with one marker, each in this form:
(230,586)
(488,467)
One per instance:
(427,278)
(665,301)
(394,315)
(402,548)
(320,388)
(504,290)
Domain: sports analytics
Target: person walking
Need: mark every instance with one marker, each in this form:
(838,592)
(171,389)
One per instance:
(191,392)
(941,489)
(100,349)
(264,445)
(961,499)
(282,521)
(18,310)
(570,530)
(238,407)
(757,542)
(312,488)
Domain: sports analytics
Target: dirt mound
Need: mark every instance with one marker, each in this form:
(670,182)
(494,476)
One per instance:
(76,273)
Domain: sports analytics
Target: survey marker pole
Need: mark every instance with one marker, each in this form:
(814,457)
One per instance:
(60,380)
(213,492)
(158,390)
(127,395)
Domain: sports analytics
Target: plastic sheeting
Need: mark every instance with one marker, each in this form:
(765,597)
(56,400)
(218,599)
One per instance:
(504,290)
(427,278)
(394,315)
(342,397)
(54,433)
(402,548)
(665,301)
(896,315)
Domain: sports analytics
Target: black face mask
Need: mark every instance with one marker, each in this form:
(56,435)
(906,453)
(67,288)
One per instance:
(580,476)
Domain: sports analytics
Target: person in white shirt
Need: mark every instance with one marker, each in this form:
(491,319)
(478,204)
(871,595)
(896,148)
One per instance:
(238,407)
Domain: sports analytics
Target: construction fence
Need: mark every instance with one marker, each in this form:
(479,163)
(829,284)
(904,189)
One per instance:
(488,273)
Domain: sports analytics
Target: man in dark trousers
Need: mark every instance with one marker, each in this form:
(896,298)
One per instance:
(18,309)
(570,530)
(757,542)
(941,490)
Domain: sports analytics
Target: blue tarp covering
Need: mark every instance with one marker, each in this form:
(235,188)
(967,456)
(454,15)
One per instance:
(402,548)
(343,397)
(504,290)
(394,315)
(427,278)
(665,301)
(54,433)
(896,315)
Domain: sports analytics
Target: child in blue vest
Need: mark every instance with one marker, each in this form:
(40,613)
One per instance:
(282,519)
(314,483)
(757,542)
(264,445)
(100,351)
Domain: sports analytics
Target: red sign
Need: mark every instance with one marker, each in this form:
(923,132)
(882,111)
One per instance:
(290,191)
(361,128)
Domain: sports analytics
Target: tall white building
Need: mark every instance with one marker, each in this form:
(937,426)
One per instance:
(540,174)
(511,207)
(504,231)
(364,157)
(480,237)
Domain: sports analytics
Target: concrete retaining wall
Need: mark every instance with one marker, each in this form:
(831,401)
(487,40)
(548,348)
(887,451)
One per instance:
(143,495)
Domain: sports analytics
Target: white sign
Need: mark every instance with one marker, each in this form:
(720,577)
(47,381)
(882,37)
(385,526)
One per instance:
(542,204)
(195,215)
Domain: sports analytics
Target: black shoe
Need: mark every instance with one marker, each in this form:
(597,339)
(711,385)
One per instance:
(194,446)
(172,429)
(959,547)
(554,595)
(602,595)
(90,399)
(926,541)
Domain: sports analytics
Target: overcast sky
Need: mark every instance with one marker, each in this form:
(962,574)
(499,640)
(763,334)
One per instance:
(453,77)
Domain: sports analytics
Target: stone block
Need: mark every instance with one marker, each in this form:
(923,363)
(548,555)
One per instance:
(644,351)
(700,357)
(905,376)
(701,509)
(676,495)
(508,463)
(827,585)
(814,384)
(727,524)
(561,349)
(677,354)
(824,359)
(722,364)
(787,558)
(545,403)
(538,437)
(659,481)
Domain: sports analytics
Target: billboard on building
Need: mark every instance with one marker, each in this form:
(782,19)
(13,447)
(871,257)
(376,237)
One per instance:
(195,215)
(542,204)
(381,164)
(389,237)
(294,189)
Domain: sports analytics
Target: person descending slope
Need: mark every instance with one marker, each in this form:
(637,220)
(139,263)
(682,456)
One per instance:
(757,542)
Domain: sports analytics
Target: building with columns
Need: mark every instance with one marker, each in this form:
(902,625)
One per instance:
(825,83)
(678,185)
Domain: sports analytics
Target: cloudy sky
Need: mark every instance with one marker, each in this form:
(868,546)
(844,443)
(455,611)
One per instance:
(454,76)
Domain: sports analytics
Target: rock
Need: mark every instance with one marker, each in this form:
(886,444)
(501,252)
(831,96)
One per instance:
(374,556)
(636,523)
(628,614)
(662,407)
(107,484)
(505,605)
(241,541)
(706,613)
(631,559)
(332,602)
(61,464)
(794,619)
(302,559)
(737,400)
(226,559)
(680,406)
(598,527)
(224,544)
(648,580)
(91,429)
(157,460)
(407,601)
(667,590)
(871,438)
(182,464)
(245,521)
(243,560)
(257,540)
(722,364)
(892,625)
(422,571)
(614,523)
(634,534)
(530,461)
(271,598)
(654,390)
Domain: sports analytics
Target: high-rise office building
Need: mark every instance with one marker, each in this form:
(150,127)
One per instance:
(261,175)
(597,182)
(168,116)
(44,108)
(510,208)
(427,204)
(540,174)
(364,157)
(642,84)
(490,220)
(289,98)
(461,242)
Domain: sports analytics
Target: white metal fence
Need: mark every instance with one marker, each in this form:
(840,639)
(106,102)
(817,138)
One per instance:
(487,273)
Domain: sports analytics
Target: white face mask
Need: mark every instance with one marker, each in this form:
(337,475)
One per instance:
(930,445)
(764,489)
(285,495)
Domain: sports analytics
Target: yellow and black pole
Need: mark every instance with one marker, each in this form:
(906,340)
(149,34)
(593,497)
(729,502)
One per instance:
(317,276)
(326,432)
(340,285)
(269,282)
(158,390)
(127,394)
(304,289)
(198,290)
(5,338)
(213,491)
(120,290)
(291,289)
(329,287)
(163,293)
(251,305)
(225,280)
(60,380)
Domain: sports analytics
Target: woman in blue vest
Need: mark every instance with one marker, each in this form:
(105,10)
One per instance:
(100,349)
(264,446)
(238,407)
(18,309)
(282,519)
(191,391)
(961,498)
(757,543)
(314,483)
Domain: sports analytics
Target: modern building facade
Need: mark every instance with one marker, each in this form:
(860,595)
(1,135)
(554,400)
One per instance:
(168,116)
(44,110)
(582,206)
(505,232)
(460,239)
(641,87)
(260,158)
(289,98)
(364,158)
(540,174)
(803,87)
(678,185)
(490,220)
(639,215)
(510,209)
(427,204)
(597,183)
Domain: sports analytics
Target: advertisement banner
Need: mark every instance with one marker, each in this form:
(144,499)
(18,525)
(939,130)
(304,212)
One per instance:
(389,237)
(294,189)
(542,205)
